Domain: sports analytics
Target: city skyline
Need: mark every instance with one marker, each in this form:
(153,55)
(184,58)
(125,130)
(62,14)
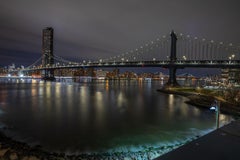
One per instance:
(89,30)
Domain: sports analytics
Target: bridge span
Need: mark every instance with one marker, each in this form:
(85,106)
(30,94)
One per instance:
(192,52)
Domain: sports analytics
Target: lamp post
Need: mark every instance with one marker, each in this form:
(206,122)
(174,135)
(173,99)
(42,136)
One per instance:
(231,58)
(184,58)
(216,107)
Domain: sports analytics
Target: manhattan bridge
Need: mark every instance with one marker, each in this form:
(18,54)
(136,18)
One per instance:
(173,51)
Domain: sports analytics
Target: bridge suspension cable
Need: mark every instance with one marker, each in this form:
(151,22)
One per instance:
(194,48)
(35,63)
(157,49)
(62,60)
(189,48)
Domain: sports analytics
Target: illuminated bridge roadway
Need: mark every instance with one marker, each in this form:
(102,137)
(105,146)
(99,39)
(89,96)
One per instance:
(164,64)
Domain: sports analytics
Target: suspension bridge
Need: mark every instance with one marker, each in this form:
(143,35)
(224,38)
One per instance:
(174,51)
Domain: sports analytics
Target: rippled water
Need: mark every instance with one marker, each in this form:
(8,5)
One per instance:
(100,116)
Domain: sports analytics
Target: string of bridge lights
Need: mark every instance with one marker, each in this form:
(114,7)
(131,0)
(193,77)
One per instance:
(60,61)
(162,42)
(189,37)
(144,48)
(35,63)
(215,47)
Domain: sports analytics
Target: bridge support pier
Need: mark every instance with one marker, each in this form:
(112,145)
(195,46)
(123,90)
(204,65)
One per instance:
(172,81)
(47,54)
(48,75)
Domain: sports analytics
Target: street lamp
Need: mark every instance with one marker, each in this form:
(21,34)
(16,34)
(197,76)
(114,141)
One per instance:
(231,57)
(122,60)
(216,107)
(185,58)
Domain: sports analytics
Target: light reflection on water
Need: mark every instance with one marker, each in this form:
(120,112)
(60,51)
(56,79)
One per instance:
(96,116)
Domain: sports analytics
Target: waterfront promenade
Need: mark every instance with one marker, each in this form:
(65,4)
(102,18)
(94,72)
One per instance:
(221,144)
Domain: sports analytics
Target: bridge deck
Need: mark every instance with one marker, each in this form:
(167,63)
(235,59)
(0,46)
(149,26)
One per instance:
(221,144)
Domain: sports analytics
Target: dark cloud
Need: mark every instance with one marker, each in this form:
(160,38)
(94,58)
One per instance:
(93,28)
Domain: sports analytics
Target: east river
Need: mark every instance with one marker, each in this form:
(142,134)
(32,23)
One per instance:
(99,117)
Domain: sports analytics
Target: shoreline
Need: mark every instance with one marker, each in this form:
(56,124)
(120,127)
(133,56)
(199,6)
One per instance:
(14,150)
(204,101)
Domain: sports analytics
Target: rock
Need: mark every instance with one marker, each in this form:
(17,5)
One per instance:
(13,156)
(3,151)
(25,158)
(30,158)
(33,158)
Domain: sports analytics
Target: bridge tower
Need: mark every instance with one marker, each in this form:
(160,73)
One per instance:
(172,82)
(47,53)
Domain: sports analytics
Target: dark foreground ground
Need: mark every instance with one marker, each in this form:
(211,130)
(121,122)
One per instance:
(221,144)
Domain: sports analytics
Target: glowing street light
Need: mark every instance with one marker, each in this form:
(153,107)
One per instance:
(216,108)
(185,58)
(231,58)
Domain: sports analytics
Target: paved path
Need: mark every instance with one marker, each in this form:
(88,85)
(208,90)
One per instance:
(221,144)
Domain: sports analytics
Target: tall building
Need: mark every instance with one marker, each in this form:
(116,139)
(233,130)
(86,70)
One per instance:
(231,75)
(47,47)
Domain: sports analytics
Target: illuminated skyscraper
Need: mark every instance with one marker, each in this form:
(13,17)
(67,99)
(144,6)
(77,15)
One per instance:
(47,47)
(231,75)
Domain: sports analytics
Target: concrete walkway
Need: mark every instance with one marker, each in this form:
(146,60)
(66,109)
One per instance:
(221,144)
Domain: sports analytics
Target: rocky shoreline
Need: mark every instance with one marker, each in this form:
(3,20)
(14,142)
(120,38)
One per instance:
(205,101)
(15,150)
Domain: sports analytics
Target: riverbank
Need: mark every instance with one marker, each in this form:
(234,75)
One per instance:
(15,150)
(203,100)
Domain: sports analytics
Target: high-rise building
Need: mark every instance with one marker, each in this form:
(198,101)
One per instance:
(231,75)
(47,47)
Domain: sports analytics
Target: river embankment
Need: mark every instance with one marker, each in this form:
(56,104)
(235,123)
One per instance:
(203,100)
(15,150)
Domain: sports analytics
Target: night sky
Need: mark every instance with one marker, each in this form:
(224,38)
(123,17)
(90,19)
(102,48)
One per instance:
(102,28)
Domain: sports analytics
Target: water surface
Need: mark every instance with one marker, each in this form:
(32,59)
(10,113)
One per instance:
(100,116)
